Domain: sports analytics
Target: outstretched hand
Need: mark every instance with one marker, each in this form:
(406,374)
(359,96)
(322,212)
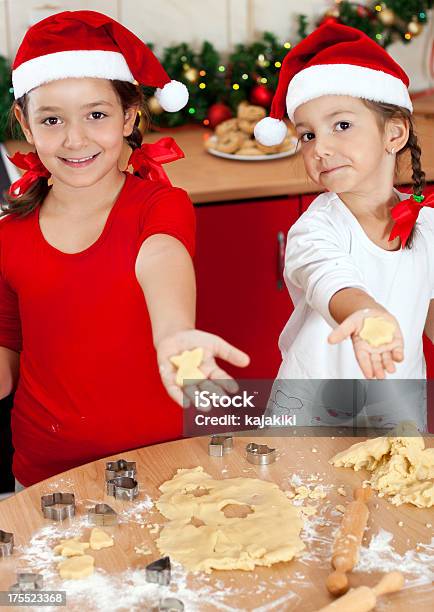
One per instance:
(374,361)
(213,346)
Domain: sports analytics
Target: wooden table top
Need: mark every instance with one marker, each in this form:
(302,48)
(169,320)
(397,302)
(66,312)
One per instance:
(119,581)
(211,179)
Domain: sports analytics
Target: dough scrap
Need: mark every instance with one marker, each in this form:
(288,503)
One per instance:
(269,534)
(76,567)
(100,539)
(188,364)
(143,550)
(377,331)
(401,466)
(71,548)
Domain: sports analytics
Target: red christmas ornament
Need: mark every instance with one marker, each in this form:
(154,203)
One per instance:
(261,96)
(328,20)
(217,113)
(362,11)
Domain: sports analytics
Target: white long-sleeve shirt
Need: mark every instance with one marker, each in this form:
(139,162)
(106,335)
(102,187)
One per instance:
(327,250)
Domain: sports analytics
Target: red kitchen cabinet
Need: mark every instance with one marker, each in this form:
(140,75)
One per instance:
(306,201)
(239,265)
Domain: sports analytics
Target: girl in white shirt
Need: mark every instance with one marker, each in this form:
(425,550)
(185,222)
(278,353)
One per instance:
(356,252)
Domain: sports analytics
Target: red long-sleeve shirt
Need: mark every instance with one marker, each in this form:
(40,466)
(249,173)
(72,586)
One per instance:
(89,384)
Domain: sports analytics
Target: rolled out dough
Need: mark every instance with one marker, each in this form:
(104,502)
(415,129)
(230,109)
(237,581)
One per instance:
(268,534)
(76,567)
(400,464)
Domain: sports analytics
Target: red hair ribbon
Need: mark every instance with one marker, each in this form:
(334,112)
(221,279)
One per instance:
(405,215)
(147,159)
(35,170)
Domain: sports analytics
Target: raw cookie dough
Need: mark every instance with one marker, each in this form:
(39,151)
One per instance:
(100,539)
(377,331)
(71,548)
(188,364)
(77,567)
(400,464)
(268,534)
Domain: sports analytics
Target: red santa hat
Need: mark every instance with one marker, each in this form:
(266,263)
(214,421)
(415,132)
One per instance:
(334,60)
(90,44)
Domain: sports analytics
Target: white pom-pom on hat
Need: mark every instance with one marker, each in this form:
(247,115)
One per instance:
(173,96)
(270,132)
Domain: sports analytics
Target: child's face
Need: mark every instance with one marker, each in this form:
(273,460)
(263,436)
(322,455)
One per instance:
(84,118)
(342,146)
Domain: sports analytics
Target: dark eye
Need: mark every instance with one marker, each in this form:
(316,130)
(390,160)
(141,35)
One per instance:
(307,136)
(98,113)
(344,125)
(50,119)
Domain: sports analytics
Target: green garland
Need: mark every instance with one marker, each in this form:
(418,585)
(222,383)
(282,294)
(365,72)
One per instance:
(6,97)
(210,80)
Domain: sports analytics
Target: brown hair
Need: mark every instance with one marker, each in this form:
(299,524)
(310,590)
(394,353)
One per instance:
(385,112)
(128,94)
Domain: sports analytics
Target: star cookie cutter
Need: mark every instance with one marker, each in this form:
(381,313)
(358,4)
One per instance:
(159,571)
(123,487)
(28,582)
(103,515)
(260,454)
(6,543)
(170,604)
(66,501)
(220,445)
(121,467)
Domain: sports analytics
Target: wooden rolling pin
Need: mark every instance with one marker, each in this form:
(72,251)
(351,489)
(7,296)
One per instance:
(363,599)
(348,540)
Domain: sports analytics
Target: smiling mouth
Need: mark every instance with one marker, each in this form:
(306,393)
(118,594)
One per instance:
(79,161)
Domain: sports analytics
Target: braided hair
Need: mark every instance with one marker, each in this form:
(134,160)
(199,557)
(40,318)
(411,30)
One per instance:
(385,112)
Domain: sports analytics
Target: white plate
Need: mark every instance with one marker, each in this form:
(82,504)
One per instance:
(264,157)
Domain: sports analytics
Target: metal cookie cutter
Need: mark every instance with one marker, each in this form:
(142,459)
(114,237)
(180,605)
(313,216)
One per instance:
(159,571)
(114,469)
(103,514)
(65,500)
(220,445)
(28,582)
(260,454)
(123,487)
(6,543)
(170,604)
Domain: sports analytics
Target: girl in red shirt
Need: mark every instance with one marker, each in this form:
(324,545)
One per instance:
(97,287)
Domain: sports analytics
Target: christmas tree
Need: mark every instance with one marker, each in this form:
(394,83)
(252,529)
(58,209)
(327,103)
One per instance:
(251,71)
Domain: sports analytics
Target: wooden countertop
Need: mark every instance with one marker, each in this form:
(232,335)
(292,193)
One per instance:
(295,585)
(210,179)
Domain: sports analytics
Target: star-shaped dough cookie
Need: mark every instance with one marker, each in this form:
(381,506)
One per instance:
(71,548)
(188,364)
(100,539)
(377,331)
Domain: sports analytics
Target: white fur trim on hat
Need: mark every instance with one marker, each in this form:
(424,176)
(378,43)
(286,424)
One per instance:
(66,64)
(345,79)
(173,96)
(270,131)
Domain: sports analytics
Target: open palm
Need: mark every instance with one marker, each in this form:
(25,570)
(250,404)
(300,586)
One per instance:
(213,346)
(374,361)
